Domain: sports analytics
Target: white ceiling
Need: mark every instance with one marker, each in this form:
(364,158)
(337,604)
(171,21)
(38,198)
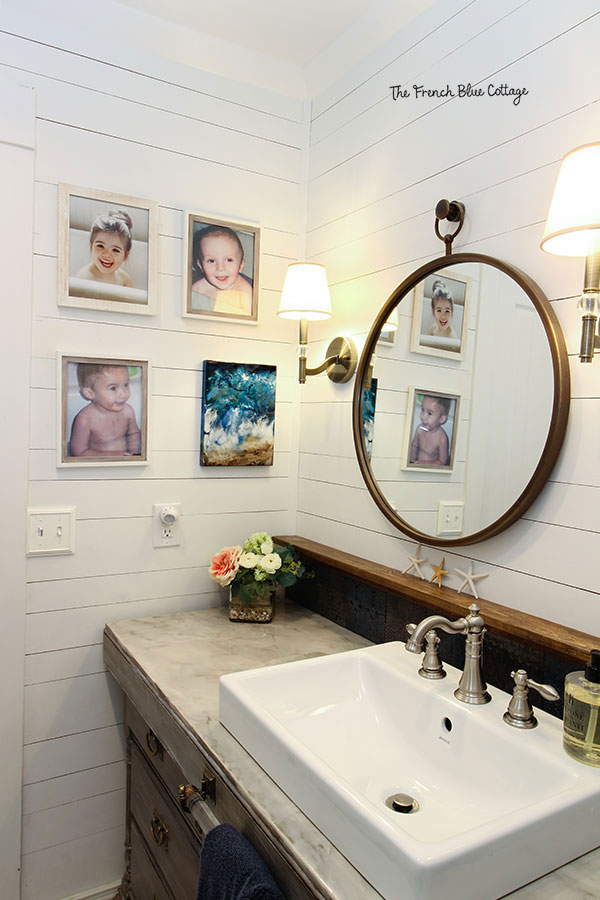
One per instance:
(292,31)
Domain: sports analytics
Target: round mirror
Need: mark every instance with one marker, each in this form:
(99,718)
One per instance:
(459,414)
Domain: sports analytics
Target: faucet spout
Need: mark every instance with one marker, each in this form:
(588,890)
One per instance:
(414,643)
(471,687)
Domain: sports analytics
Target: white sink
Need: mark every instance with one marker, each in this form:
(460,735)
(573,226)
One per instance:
(498,806)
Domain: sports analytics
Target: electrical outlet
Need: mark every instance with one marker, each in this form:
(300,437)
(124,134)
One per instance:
(166,525)
(450,517)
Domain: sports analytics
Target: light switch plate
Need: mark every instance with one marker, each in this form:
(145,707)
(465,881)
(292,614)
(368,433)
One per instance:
(450,517)
(50,532)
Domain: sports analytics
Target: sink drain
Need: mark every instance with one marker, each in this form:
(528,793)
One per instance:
(402,803)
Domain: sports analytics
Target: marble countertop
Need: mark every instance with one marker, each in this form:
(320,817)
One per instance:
(181,658)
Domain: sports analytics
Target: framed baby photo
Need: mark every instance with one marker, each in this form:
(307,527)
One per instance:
(441,315)
(221,263)
(107,251)
(102,411)
(431,430)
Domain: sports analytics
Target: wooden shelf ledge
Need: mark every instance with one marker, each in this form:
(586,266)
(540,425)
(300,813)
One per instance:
(566,643)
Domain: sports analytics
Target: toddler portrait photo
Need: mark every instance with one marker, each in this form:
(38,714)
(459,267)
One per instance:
(221,261)
(432,425)
(440,315)
(103,411)
(107,251)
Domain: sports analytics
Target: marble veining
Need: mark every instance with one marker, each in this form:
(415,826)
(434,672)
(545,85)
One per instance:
(182,657)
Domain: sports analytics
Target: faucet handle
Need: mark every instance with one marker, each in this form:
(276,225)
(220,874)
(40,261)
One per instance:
(431,667)
(520,713)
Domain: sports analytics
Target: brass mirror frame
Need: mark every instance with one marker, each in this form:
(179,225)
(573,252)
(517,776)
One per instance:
(560,407)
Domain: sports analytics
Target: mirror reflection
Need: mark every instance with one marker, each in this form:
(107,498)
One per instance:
(458,405)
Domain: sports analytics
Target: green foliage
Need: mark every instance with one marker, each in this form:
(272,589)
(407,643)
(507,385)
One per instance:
(256,581)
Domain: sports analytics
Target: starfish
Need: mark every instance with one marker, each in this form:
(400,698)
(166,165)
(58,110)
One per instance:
(470,579)
(415,563)
(439,572)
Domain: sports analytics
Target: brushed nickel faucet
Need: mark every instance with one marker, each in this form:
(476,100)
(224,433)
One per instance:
(471,687)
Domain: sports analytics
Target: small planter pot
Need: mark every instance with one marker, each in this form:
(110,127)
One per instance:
(258,609)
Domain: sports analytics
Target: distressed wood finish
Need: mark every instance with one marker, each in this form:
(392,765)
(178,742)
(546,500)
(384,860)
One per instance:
(179,746)
(170,842)
(566,643)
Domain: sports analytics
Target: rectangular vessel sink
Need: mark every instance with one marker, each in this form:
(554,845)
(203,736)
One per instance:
(497,806)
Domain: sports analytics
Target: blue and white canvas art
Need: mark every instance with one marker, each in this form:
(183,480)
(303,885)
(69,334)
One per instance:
(238,414)
(369,399)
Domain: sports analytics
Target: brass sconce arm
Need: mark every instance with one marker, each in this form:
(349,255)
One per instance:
(340,362)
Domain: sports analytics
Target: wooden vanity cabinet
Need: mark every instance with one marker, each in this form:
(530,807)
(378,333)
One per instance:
(165,832)
(164,839)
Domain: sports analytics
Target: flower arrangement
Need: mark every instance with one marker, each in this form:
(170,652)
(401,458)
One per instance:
(255,569)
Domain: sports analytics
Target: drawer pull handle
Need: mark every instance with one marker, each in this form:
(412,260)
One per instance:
(159,831)
(153,744)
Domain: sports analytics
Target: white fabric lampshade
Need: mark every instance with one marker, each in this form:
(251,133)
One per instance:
(573,224)
(305,293)
(391,323)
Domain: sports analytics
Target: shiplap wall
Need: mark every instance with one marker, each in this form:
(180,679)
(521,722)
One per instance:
(377,170)
(187,140)
(115,119)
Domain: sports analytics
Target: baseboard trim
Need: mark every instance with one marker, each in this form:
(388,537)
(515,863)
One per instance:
(104,892)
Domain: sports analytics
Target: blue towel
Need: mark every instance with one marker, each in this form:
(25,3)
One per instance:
(231,869)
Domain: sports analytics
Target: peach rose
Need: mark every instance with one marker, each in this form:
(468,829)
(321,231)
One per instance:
(225,564)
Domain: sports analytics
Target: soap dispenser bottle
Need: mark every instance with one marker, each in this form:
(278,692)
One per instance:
(581,736)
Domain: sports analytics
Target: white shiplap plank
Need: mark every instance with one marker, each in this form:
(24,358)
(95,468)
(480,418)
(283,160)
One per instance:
(71,705)
(74,753)
(84,625)
(75,156)
(96,499)
(149,584)
(75,106)
(45,795)
(58,66)
(51,666)
(164,465)
(69,821)
(186,349)
(72,868)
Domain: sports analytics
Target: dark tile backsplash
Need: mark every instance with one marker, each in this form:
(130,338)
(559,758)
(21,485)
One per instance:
(380,617)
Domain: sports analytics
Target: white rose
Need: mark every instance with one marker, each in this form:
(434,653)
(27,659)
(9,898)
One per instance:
(267,547)
(248,560)
(270,563)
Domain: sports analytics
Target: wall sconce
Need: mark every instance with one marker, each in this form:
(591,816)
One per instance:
(573,229)
(305,297)
(391,323)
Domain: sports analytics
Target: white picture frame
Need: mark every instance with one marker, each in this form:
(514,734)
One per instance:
(127,286)
(452,292)
(230,303)
(418,398)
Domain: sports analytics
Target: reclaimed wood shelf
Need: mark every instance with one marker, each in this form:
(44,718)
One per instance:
(566,643)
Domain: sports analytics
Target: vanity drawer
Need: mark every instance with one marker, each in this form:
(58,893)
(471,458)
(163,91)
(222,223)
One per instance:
(155,752)
(171,843)
(146,883)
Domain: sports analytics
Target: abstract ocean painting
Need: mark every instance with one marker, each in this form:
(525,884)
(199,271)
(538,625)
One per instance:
(369,398)
(238,414)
